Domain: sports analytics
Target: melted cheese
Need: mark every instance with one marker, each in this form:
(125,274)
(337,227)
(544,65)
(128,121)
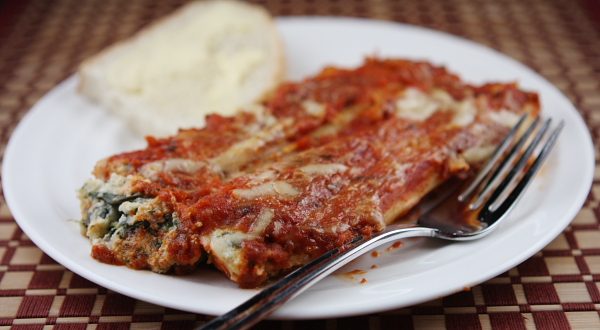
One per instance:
(416,105)
(504,117)
(263,176)
(273,188)
(444,98)
(277,226)
(314,108)
(261,223)
(323,169)
(478,154)
(464,112)
(240,153)
(189,166)
(263,117)
(419,106)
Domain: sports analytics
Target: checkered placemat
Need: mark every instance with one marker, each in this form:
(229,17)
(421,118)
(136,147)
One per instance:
(42,42)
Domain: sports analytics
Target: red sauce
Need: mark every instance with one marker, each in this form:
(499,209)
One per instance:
(376,254)
(395,246)
(103,254)
(353,276)
(330,210)
(372,151)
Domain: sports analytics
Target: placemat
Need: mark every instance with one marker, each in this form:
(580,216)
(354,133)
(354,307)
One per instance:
(42,42)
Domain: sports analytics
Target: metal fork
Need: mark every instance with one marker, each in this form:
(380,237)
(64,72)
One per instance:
(459,217)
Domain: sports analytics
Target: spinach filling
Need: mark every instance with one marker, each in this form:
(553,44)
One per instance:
(122,224)
(113,199)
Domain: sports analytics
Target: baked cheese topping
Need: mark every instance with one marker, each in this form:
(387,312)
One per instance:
(240,153)
(419,106)
(323,169)
(464,112)
(478,154)
(504,117)
(263,220)
(268,175)
(274,188)
(416,105)
(188,166)
(314,108)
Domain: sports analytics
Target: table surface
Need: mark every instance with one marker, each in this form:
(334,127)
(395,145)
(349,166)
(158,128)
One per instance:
(42,42)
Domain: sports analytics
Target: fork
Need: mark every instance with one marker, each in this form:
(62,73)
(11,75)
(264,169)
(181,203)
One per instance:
(461,215)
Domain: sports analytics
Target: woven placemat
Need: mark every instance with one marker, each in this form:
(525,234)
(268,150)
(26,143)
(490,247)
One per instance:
(42,42)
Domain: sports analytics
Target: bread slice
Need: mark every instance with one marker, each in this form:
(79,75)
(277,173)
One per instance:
(207,57)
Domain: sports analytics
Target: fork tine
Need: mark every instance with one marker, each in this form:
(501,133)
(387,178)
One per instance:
(503,206)
(493,160)
(501,190)
(503,167)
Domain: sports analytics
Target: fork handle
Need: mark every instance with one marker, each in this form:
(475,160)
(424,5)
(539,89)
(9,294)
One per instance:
(271,298)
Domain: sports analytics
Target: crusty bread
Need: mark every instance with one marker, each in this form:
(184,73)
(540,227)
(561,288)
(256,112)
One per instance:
(207,57)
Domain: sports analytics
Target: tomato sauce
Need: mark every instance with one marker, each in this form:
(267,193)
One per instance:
(344,164)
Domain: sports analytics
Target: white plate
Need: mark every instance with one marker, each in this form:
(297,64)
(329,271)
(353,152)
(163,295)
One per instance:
(55,146)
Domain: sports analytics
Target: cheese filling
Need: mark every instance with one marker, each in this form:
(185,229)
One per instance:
(226,245)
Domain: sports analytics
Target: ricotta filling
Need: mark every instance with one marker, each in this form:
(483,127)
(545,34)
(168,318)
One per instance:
(101,199)
(114,209)
(226,244)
